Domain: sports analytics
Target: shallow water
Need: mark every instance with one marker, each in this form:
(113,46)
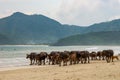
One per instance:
(15,55)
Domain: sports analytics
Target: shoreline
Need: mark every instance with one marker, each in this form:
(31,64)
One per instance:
(96,70)
(20,67)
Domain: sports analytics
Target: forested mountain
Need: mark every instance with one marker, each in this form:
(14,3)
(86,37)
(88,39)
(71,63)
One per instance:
(94,38)
(34,29)
(20,28)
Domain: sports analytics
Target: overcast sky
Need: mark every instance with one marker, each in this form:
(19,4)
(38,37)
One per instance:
(75,12)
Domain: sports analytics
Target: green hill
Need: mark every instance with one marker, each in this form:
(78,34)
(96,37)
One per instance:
(20,28)
(4,39)
(34,29)
(95,38)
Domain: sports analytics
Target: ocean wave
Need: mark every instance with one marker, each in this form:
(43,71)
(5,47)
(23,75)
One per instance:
(13,62)
(91,48)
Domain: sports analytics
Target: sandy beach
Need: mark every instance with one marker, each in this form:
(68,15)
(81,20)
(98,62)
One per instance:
(96,70)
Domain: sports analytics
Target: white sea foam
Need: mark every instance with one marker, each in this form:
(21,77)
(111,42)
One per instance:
(8,62)
(92,48)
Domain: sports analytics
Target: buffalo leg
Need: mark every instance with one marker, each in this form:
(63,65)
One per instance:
(88,60)
(44,61)
(30,61)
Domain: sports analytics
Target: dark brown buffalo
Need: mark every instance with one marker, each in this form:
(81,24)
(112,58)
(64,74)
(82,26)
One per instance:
(108,55)
(63,57)
(103,55)
(99,55)
(32,57)
(84,56)
(93,55)
(53,57)
(40,58)
(78,56)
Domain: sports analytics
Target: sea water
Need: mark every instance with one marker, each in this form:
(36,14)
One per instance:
(15,55)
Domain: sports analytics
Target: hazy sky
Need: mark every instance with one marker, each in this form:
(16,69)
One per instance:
(76,12)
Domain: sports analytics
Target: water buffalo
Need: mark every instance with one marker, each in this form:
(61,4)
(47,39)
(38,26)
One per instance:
(99,54)
(108,55)
(84,56)
(32,57)
(64,56)
(93,55)
(73,57)
(53,57)
(78,56)
(40,58)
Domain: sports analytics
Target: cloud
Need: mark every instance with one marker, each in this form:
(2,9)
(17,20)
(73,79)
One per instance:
(114,17)
(6,12)
(86,12)
(45,7)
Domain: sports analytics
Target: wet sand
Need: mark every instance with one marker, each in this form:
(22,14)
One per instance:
(96,70)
